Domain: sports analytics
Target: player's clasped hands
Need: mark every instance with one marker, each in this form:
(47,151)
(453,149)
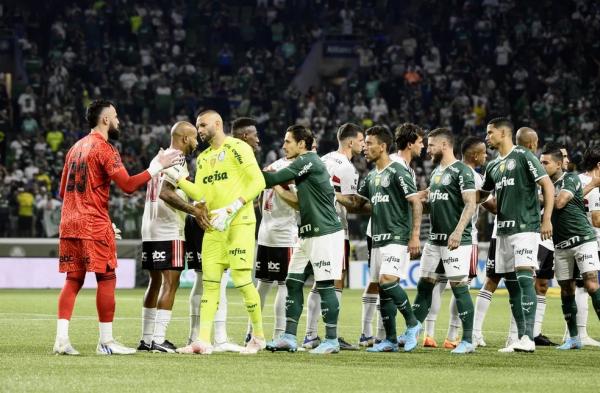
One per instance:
(201,215)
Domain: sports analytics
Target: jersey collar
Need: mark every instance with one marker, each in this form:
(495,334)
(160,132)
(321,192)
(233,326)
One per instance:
(507,154)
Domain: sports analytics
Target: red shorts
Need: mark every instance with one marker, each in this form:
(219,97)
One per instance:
(474,261)
(87,255)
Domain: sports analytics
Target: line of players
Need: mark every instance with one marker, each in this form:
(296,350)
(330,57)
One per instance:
(302,181)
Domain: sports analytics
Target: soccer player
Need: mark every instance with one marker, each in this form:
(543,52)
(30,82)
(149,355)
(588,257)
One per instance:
(391,195)
(452,203)
(474,155)
(344,177)
(574,241)
(227,179)
(87,238)
(409,141)
(320,249)
(163,244)
(514,176)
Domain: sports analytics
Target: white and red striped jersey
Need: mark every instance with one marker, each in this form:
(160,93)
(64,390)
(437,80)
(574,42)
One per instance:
(591,201)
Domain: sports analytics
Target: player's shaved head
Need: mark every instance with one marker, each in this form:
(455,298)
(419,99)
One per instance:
(209,124)
(182,128)
(528,138)
(184,137)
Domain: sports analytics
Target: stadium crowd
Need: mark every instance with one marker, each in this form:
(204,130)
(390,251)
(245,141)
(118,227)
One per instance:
(452,63)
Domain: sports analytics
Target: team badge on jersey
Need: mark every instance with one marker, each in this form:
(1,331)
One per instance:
(221,156)
(511,164)
(502,167)
(385,180)
(213,161)
(436,179)
(446,179)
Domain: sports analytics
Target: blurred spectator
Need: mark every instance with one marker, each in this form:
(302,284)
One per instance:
(25,202)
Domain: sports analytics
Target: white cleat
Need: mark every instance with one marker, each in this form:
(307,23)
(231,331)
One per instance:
(198,347)
(227,347)
(509,345)
(113,348)
(525,344)
(64,347)
(253,346)
(478,341)
(590,342)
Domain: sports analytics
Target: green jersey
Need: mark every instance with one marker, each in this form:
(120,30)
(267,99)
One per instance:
(515,177)
(570,224)
(316,196)
(391,213)
(446,203)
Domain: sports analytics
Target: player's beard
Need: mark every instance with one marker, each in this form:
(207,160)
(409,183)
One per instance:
(113,133)
(437,158)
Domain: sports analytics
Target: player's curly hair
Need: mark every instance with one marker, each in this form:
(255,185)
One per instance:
(407,133)
(92,115)
(591,158)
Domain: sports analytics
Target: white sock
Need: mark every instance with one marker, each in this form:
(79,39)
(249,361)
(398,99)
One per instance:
(163,317)
(513,331)
(195,298)
(263,287)
(221,314)
(539,315)
(148,321)
(62,329)
(106,332)
(581,299)
(482,304)
(455,322)
(279,307)
(434,310)
(380,328)
(313,314)
(369,305)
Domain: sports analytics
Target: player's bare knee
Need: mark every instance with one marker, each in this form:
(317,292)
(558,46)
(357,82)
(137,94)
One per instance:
(387,279)
(567,287)
(590,282)
(541,286)
(372,288)
(491,284)
(339,284)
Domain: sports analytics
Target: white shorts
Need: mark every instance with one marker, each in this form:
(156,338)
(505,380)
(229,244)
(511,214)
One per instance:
(325,254)
(391,259)
(518,250)
(585,255)
(456,262)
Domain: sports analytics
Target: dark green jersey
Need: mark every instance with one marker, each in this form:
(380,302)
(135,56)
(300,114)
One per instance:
(570,224)
(391,213)
(315,194)
(446,203)
(514,177)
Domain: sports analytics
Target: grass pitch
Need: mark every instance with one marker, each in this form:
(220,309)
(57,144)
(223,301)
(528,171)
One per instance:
(28,323)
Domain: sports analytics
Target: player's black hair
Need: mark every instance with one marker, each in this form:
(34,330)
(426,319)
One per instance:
(407,133)
(382,134)
(238,125)
(442,132)
(591,158)
(92,114)
(502,122)
(348,130)
(553,149)
(301,133)
(469,143)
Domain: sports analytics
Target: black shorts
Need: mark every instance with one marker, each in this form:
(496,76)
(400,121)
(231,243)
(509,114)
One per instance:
(490,265)
(165,255)
(193,243)
(546,263)
(272,263)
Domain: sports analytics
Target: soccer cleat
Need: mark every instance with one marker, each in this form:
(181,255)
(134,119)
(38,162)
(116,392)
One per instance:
(401,340)
(543,341)
(345,345)
(384,346)
(144,347)
(525,344)
(247,338)
(165,347)
(588,341)
(311,343)
(286,342)
(329,345)
(113,348)
(365,341)
(412,337)
(478,341)
(429,342)
(64,347)
(463,347)
(198,346)
(571,343)
(226,346)
(253,346)
(451,344)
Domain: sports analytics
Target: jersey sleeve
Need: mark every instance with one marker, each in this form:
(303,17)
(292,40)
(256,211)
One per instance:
(407,184)
(348,180)
(194,190)
(593,198)
(571,184)
(297,168)
(535,169)
(363,188)
(487,184)
(466,180)
(110,159)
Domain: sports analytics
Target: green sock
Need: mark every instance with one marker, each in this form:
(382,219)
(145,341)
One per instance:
(528,299)
(466,312)
(400,299)
(596,301)
(388,314)
(330,307)
(569,309)
(423,299)
(514,297)
(294,302)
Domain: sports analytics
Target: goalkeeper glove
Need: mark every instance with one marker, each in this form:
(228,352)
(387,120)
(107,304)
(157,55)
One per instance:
(117,232)
(165,159)
(222,217)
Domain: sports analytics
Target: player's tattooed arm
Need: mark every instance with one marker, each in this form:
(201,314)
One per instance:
(199,211)
(414,244)
(482,195)
(424,197)
(466,216)
(548,191)
(354,203)
(288,196)
(562,199)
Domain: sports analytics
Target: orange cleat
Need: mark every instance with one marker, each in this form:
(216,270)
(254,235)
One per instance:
(429,342)
(449,344)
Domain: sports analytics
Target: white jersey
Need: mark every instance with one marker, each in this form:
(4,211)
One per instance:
(162,222)
(279,224)
(592,201)
(478,183)
(344,178)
